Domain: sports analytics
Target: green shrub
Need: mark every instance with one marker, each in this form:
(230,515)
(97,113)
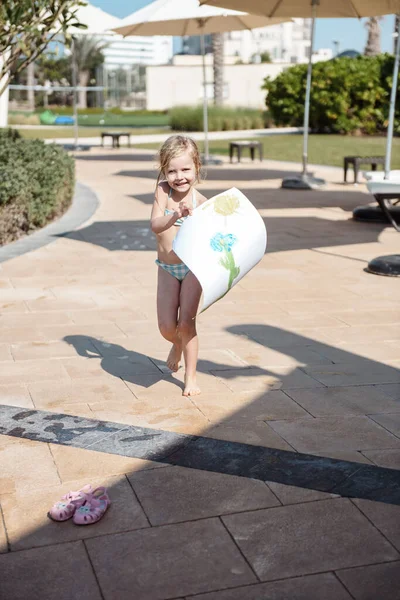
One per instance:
(188,118)
(348,95)
(37,184)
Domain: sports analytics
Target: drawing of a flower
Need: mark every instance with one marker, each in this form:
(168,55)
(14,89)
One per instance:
(223,243)
(226,205)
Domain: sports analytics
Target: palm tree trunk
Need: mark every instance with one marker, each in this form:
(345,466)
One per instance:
(373,46)
(82,94)
(218,54)
(31,82)
(396,30)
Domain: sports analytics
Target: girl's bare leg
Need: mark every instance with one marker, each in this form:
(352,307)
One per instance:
(168,290)
(189,302)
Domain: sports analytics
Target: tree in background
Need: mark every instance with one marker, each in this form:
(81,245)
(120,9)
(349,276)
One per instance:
(373,45)
(87,54)
(27,27)
(218,67)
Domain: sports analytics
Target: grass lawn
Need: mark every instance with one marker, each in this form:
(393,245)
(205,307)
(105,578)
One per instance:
(125,120)
(68,132)
(323,149)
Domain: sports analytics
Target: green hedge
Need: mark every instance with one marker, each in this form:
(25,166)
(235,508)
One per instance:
(348,95)
(187,118)
(37,184)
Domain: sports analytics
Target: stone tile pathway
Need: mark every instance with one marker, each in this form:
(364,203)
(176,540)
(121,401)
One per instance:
(280,481)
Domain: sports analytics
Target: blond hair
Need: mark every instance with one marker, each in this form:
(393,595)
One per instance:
(174,146)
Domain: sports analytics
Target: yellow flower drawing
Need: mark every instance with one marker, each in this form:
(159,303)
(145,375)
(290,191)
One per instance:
(225,205)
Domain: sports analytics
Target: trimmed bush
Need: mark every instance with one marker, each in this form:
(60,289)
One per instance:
(348,95)
(37,184)
(188,118)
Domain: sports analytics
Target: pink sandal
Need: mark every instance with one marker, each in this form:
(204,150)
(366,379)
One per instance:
(65,508)
(94,507)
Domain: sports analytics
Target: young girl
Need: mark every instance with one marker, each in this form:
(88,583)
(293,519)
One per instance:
(178,291)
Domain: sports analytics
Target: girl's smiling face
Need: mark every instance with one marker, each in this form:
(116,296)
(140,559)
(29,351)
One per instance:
(181,173)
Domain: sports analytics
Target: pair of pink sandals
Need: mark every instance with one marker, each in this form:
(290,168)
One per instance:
(86,506)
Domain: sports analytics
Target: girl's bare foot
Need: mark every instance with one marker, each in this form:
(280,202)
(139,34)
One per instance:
(191,387)
(174,358)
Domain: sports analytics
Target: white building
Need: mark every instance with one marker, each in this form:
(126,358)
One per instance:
(124,52)
(285,43)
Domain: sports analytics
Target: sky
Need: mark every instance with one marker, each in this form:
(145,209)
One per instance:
(350,33)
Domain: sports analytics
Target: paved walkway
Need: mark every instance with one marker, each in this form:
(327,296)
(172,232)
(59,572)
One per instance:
(279,482)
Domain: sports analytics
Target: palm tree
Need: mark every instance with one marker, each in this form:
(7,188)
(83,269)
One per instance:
(87,54)
(373,45)
(396,30)
(218,52)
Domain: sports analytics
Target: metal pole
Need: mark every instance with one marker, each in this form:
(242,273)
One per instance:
(74,94)
(205,107)
(389,135)
(314,4)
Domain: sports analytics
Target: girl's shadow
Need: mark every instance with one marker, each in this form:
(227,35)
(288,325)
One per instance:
(141,369)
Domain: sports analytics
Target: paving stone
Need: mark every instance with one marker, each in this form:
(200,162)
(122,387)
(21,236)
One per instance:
(390,422)
(334,433)
(187,558)
(278,544)
(54,427)
(38,319)
(50,395)
(28,525)
(386,517)
(60,572)
(373,582)
(178,414)
(31,370)
(257,433)
(73,465)
(15,395)
(231,408)
(178,494)
(257,355)
(13,307)
(5,352)
(391,389)
(262,380)
(26,466)
(3,535)
(352,400)
(310,587)
(290,494)
(362,373)
(384,458)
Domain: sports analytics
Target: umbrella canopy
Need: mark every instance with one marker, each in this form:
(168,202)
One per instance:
(301,8)
(186,17)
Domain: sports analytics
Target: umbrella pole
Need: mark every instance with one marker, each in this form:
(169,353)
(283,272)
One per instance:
(306,181)
(74,78)
(306,122)
(205,103)
(389,137)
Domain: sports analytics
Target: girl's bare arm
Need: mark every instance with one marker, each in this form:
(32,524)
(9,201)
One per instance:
(159,220)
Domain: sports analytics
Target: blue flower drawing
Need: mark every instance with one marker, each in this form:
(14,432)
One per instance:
(221,242)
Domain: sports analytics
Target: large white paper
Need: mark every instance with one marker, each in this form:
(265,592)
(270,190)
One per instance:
(223,239)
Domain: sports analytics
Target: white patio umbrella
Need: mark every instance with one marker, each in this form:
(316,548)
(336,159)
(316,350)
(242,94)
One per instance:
(325,9)
(186,17)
